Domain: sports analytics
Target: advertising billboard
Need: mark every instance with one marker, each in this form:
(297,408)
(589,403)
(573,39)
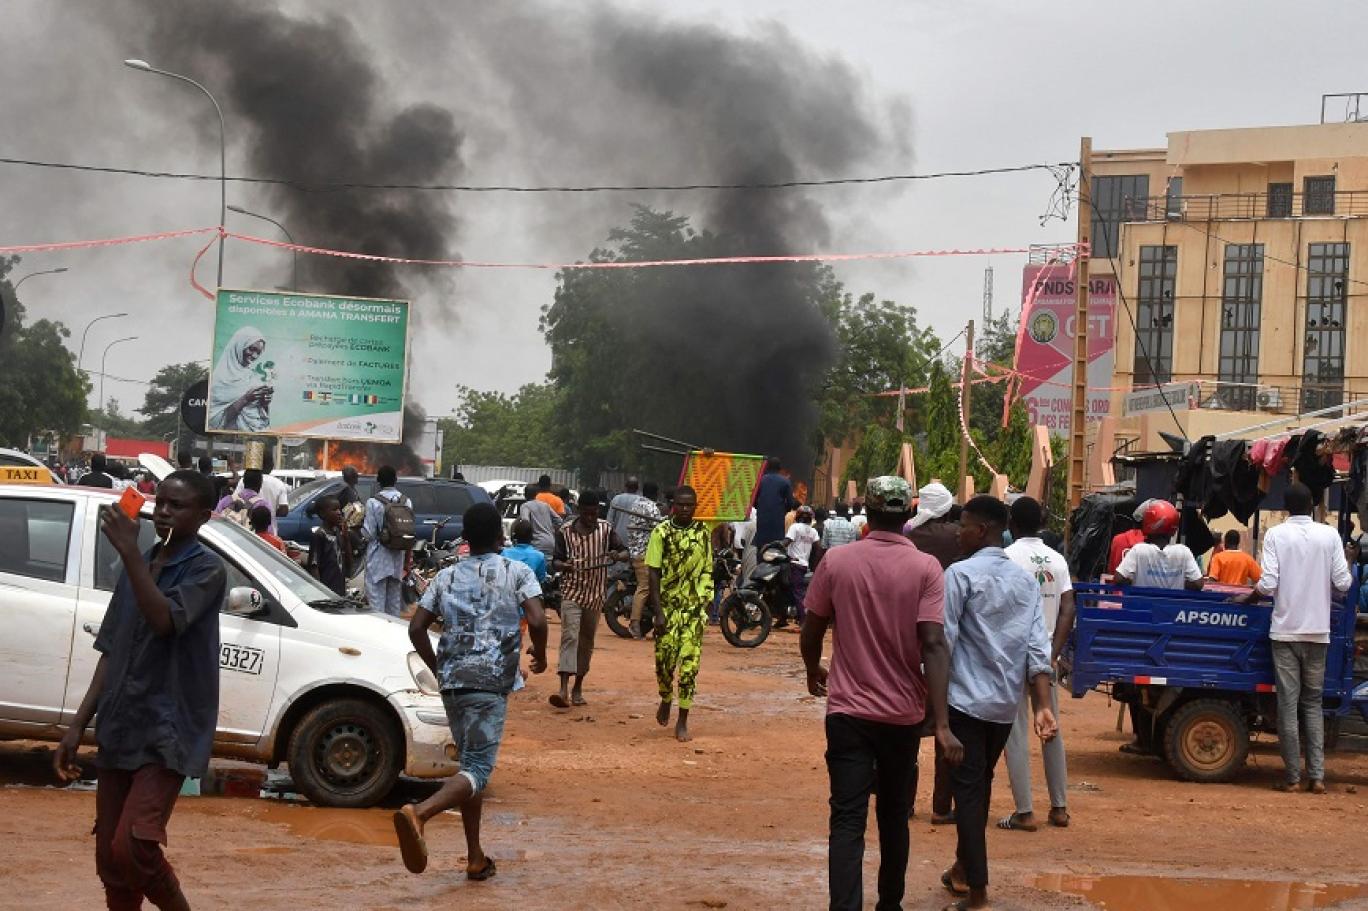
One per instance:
(308,365)
(1046,344)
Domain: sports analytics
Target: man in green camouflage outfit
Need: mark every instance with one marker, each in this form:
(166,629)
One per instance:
(679,559)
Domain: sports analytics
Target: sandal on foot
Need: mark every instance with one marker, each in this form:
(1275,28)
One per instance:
(1014,823)
(1316,786)
(558,701)
(485,872)
(942,819)
(951,886)
(1059,817)
(412,846)
(1288,787)
(578,700)
(1134,749)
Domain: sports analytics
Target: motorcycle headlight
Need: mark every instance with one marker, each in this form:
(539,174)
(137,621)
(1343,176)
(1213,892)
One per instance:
(422,676)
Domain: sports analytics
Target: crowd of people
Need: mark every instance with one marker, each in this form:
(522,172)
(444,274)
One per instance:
(949,621)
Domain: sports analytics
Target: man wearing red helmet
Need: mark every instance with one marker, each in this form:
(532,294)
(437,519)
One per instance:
(1154,562)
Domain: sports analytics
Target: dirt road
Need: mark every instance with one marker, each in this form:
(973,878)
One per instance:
(600,808)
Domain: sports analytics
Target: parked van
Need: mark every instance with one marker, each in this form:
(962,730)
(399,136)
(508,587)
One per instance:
(322,683)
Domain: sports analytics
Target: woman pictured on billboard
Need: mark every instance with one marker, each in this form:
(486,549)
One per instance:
(242,385)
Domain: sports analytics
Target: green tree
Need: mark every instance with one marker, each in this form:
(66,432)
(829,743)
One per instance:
(40,389)
(161,404)
(881,348)
(497,429)
(114,422)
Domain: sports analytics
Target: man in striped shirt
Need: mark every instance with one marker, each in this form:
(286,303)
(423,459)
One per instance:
(584,550)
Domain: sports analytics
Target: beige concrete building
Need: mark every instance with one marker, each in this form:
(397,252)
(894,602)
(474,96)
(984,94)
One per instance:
(1241,254)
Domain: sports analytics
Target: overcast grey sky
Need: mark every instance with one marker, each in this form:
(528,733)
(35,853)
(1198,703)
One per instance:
(986,83)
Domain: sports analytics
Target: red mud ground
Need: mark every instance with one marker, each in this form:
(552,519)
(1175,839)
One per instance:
(599,808)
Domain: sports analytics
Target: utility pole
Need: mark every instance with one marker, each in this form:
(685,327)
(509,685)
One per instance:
(1079,413)
(965,373)
(988,296)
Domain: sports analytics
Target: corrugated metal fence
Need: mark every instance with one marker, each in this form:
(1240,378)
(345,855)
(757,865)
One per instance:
(477,473)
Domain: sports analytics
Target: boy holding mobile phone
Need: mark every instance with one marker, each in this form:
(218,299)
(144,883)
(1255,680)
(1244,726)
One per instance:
(155,688)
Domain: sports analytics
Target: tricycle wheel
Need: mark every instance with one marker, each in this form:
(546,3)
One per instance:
(1206,740)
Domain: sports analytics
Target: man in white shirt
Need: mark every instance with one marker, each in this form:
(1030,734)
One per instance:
(1302,561)
(273,490)
(800,540)
(1051,571)
(1154,562)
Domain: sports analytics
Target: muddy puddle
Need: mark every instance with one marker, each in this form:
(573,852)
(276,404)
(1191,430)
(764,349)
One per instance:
(355,827)
(1158,893)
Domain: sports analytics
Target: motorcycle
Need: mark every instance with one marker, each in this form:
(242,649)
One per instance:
(427,559)
(749,612)
(617,606)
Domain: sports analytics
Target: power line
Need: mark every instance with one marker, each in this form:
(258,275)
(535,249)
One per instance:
(338,185)
(1135,326)
(1286,262)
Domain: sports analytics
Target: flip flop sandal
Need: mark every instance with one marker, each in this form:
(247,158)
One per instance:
(1287,787)
(557,700)
(946,820)
(1131,749)
(486,872)
(578,700)
(1059,819)
(951,886)
(1013,823)
(412,846)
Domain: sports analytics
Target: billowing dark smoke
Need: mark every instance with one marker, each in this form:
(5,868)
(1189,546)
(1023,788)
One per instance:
(314,109)
(628,97)
(569,94)
(306,104)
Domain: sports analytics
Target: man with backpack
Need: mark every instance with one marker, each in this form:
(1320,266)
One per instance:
(389,531)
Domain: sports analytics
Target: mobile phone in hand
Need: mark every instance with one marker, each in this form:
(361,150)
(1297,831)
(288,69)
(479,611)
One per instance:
(131,503)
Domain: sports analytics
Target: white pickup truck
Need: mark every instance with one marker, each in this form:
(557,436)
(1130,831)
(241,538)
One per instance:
(306,678)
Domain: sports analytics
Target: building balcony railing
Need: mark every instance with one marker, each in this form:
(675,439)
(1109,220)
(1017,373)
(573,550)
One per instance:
(1244,206)
(1281,400)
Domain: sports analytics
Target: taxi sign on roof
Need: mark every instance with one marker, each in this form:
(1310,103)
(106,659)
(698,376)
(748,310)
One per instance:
(24,474)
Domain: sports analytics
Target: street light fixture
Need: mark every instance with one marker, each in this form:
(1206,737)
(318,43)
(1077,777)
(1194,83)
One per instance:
(146,67)
(102,368)
(59,270)
(283,230)
(81,354)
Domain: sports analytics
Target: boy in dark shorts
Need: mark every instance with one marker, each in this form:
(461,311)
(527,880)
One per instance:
(480,601)
(155,689)
(330,551)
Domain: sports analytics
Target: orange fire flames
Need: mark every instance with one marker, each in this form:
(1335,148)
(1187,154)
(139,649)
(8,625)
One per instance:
(342,455)
(800,492)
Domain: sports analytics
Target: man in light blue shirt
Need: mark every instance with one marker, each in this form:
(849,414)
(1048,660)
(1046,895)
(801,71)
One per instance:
(996,631)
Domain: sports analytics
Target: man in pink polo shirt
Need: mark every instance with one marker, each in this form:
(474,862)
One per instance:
(886,599)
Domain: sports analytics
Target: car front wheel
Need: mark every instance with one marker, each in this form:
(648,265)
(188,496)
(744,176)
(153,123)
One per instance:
(346,753)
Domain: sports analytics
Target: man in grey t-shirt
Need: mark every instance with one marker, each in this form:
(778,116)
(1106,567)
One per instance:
(544,522)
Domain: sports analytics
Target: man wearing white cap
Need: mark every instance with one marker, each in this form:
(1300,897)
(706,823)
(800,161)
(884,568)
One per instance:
(932,529)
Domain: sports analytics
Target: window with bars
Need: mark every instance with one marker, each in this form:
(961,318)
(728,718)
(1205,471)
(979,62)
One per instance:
(1319,196)
(1116,199)
(1154,315)
(1241,300)
(1327,278)
(1280,200)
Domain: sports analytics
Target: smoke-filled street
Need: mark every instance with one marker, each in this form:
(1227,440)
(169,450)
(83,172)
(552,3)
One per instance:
(600,808)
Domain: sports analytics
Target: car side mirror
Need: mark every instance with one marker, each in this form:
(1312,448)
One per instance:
(245,601)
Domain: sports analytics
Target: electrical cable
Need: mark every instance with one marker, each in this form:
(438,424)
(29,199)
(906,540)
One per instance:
(340,185)
(1286,262)
(1130,315)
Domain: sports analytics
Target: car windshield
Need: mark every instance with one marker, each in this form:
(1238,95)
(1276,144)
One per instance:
(303,492)
(282,569)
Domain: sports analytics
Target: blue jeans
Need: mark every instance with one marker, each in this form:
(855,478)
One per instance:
(477,722)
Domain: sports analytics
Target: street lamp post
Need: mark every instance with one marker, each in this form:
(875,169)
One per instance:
(294,285)
(58,271)
(80,354)
(103,357)
(146,67)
